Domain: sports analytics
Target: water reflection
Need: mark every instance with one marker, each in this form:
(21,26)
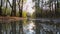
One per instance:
(29,27)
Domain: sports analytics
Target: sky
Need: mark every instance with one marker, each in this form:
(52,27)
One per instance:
(28,6)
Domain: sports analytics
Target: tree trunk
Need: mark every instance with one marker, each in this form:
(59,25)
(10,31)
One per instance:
(50,8)
(37,7)
(5,9)
(55,9)
(20,10)
(1,9)
(57,4)
(13,13)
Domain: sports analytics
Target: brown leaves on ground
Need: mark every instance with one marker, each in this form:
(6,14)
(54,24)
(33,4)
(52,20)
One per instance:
(11,18)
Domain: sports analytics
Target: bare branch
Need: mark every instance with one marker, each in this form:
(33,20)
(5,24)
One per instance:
(9,3)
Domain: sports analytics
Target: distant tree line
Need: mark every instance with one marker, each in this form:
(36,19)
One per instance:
(53,10)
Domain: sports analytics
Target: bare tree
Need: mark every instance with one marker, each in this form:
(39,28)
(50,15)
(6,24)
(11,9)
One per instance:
(1,8)
(5,9)
(9,3)
(20,9)
(13,13)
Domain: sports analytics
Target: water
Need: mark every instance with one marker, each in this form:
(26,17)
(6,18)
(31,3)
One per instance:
(29,27)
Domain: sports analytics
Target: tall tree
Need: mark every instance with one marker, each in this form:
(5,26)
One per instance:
(1,8)
(56,8)
(56,3)
(19,4)
(51,3)
(37,8)
(13,13)
(9,3)
(6,9)
(20,9)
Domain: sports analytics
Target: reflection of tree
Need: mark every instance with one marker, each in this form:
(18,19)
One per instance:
(20,27)
(13,26)
(0,28)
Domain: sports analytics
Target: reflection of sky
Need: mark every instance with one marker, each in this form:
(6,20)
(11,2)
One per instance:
(28,29)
